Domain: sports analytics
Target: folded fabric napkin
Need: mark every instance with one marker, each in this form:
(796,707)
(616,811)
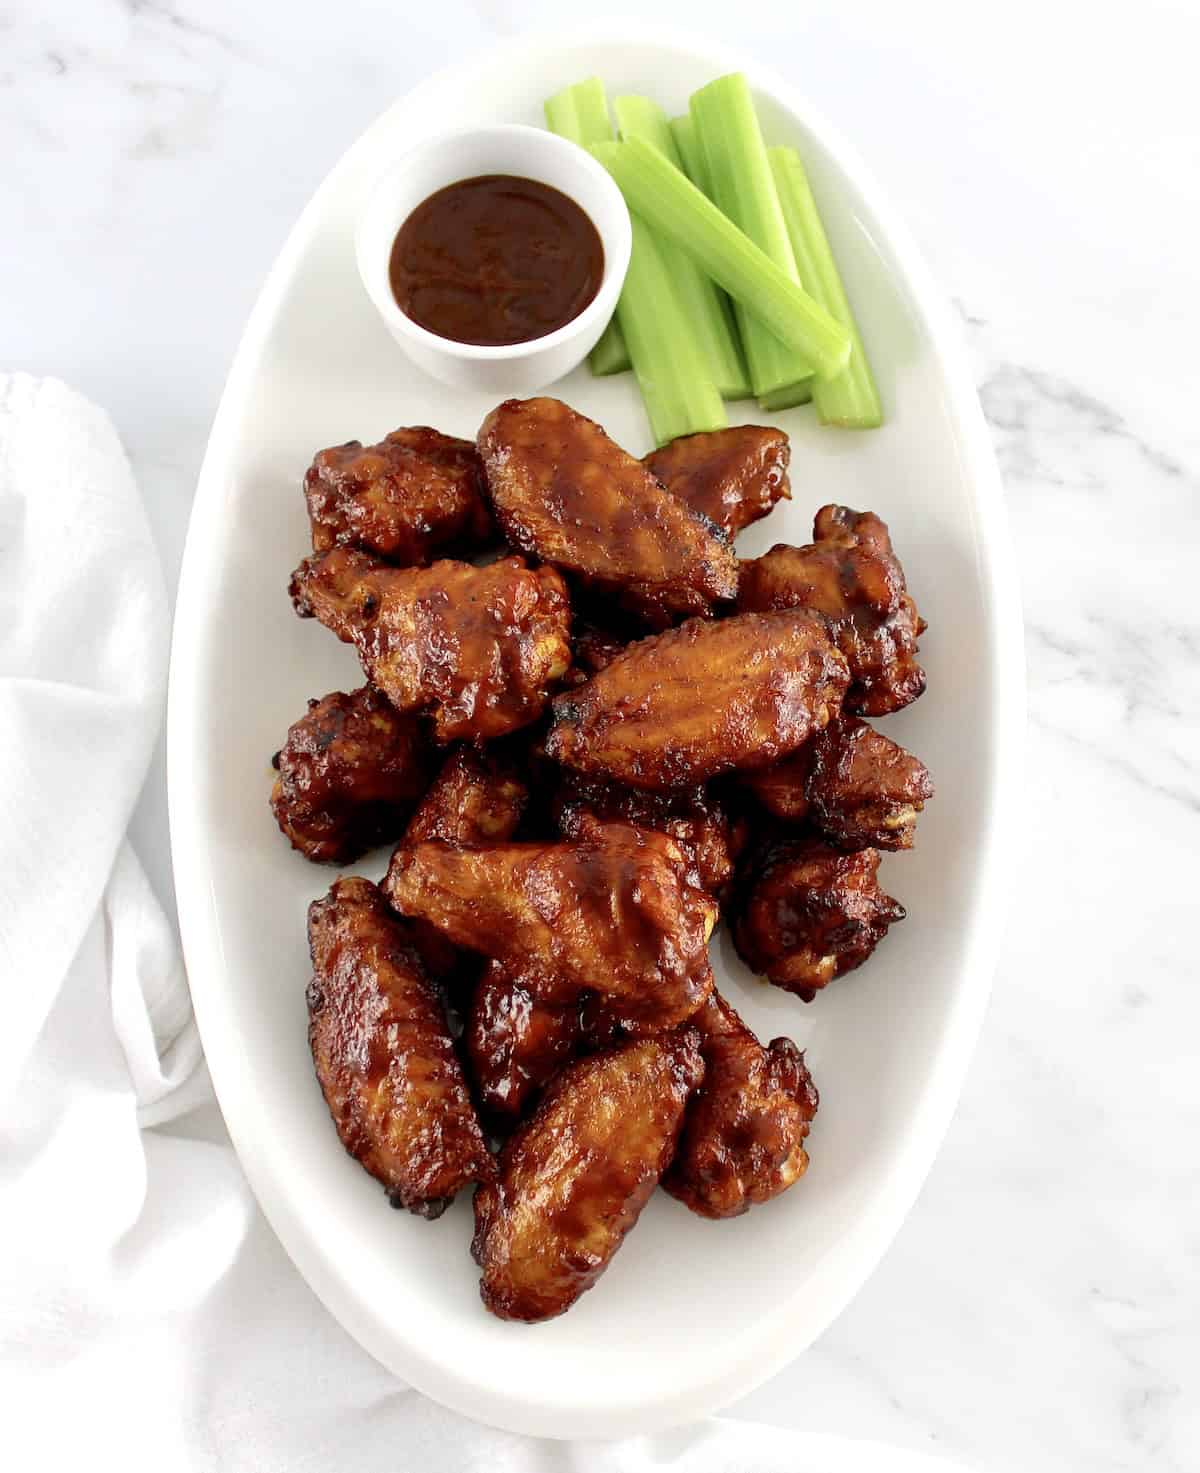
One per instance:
(148,1317)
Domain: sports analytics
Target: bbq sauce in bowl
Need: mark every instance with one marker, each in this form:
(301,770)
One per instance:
(496,260)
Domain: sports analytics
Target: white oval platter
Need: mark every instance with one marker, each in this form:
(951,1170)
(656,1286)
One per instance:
(691,1313)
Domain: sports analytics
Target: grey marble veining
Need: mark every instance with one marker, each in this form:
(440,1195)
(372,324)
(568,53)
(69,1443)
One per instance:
(1040,1310)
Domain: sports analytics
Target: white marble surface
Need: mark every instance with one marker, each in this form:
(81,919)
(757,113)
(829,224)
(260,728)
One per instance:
(1041,1308)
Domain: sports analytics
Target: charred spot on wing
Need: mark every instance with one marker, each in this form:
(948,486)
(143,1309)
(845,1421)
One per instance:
(430,1210)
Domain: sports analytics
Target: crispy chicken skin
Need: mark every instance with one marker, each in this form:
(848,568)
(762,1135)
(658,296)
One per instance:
(708,834)
(516,1044)
(349,773)
(477,798)
(744,1131)
(859,788)
(679,708)
(415,494)
(733,477)
(849,574)
(611,912)
(810,913)
(574,1178)
(563,492)
(383,1054)
(478,647)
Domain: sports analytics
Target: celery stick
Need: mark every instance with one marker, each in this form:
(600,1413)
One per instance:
(670,203)
(700,296)
(742,186)
(851,400)
(687,141)
(640,117)
(580,114)
(687,144)
(680,398)
(801,392)
(611,353)
(790,396)
(691,156)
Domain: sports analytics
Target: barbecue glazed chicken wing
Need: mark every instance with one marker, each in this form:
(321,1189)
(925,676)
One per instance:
(810,913)
(858,787)
(679,708)
(611,912)
(477,798)
(515,1043)
(574,1178)
(478,647)
(383,1054)
(733,477)
(563,492)
(349,773)
(407,499)
(703,827)
(744,1131)
(849,574)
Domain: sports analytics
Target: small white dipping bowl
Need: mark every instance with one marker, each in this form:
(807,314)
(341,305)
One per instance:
(513,368)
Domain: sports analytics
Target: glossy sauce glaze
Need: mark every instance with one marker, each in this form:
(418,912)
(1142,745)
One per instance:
(496,260)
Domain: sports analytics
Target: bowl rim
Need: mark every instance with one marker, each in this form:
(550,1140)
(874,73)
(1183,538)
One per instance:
(615,232)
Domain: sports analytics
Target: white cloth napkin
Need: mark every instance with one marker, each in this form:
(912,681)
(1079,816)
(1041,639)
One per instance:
(148,1317)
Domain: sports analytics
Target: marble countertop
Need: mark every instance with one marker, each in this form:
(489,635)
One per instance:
(1041,1308)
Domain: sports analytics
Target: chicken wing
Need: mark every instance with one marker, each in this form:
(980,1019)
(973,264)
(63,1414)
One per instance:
(410,497)
(574,1178)
(349,773)
(810,913)
(611,912)
(705,830)
(477,798)
(851,576)
(858,787)
(563,492)
(733,476)
(744,1131)
(479,647)
(516,1044)
(383,1055)
(679,708)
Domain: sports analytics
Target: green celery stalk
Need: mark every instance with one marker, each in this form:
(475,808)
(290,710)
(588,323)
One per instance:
(742,186)
(790,395)
(851,400)
(679,396)
(580,114)
(700,296)
(687,144)
(641,117)
(611,353)
(691,156)
(672,205)
(687,141)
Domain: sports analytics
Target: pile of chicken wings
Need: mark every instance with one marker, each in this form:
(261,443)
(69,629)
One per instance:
(591,732)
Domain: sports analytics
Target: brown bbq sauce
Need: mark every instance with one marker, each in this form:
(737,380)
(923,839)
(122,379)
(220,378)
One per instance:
(496,260)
